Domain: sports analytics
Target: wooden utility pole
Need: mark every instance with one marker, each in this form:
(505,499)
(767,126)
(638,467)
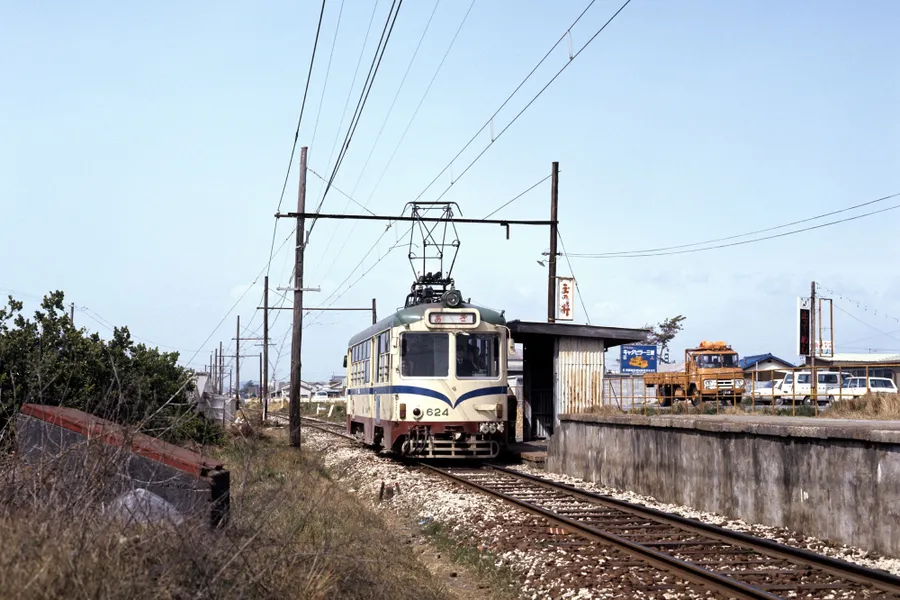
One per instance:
(215,373)
(814,383)
(72,313)
(264,378)
(551,265)
(237,365)
(297,337)
(260,380)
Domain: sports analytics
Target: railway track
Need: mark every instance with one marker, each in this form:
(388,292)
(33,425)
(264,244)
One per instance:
(734,564)
(326,426)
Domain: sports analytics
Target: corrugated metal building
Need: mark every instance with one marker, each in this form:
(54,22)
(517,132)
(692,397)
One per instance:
(563,370)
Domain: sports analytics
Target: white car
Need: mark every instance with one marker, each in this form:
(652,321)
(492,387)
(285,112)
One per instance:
(766,391)
(855,387)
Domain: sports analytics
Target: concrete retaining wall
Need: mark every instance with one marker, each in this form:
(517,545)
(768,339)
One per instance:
(831,479)
(192,484)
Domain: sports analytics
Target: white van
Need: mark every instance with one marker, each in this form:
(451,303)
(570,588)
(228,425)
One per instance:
(797,387)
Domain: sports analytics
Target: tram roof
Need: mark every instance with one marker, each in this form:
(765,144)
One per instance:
(413,314)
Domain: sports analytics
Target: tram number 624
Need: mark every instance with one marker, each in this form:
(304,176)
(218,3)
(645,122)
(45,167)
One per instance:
(437,412)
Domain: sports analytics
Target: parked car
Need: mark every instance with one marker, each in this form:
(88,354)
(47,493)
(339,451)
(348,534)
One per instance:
(766,392)
(854,387)
(797,387)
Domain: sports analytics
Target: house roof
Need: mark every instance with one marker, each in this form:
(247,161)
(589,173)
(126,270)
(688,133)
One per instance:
(753,359)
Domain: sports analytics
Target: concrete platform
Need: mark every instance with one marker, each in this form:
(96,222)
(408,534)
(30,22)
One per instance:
(807,427)
(532,452)
(833,479)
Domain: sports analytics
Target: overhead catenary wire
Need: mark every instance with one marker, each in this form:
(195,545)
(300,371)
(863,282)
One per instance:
(337,30)
(334,299)
(506,101)
(756,232)
(361,104)
(405,131)
(385,121)
(340,127)
(740,243)
(534,98)
(287,174)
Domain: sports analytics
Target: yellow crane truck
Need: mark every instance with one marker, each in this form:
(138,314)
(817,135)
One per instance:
(711,373)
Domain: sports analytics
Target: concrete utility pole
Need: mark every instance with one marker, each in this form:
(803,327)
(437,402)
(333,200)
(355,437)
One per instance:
(215,372)
(237,364)
(221,369)
(259,381)
(551,265)
(264,378)
(814,384)
(374,312)
(297,337)
(72,313)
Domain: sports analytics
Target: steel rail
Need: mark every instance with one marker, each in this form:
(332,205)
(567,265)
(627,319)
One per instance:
(660,560)
(881,580)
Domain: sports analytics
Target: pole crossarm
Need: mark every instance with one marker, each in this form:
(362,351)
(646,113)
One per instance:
(305,215)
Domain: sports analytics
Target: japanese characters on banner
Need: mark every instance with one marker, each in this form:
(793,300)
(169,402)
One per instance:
(636,360)
(565,296)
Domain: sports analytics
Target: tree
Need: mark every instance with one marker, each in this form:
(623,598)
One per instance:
(46,360)
(662,333)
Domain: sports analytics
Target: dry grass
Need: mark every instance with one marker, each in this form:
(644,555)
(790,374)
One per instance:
(292,534)
(870,406)
(608,410)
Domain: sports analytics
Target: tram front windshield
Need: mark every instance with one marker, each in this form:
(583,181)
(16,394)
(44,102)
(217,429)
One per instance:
(477,355)
(425,354)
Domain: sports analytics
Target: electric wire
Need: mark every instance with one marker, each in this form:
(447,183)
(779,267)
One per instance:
(337,30)
(743,242)
(361,104)
(758,231)
(296,133)
(572,271)
(340,127)
(384,122)
(403,135)
(508,98)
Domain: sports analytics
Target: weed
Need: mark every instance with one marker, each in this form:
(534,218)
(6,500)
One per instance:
(482,563)
(291,534)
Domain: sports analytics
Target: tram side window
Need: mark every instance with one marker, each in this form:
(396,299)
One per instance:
(424,354)
(383,347)
(359,363)
(477,355)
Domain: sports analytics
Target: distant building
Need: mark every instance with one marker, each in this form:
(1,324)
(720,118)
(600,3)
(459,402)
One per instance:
(764,367)
(862,365)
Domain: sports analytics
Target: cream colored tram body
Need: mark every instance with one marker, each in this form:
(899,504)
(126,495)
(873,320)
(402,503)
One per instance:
(430,381)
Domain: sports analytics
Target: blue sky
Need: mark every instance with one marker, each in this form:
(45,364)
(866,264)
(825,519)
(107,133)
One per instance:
(143,149)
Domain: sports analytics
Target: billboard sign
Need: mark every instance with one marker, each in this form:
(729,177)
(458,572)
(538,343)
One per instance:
(565,294)
(637,360)
(803,326)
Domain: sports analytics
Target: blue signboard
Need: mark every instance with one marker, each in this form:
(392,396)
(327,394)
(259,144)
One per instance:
(637,360)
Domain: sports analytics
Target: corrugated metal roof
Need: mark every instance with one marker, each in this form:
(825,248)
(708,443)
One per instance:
(860,358)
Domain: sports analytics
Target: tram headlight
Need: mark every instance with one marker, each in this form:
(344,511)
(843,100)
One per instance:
(417,412)
(483,428)
(492,427)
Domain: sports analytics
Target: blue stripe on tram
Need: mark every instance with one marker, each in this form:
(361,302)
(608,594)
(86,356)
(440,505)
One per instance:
(427,392)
